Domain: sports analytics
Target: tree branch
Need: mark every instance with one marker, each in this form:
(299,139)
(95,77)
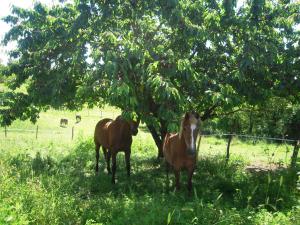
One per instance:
(227,113)
(209,112)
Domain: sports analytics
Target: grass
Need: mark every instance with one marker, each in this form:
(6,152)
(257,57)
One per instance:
(51,180)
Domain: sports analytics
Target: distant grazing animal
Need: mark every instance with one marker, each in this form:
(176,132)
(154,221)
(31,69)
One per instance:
(63,122)
(78,118)
(180,149)
(114,136)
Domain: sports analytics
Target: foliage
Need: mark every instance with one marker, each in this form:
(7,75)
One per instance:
(2,68)
(293,125)
(154,58)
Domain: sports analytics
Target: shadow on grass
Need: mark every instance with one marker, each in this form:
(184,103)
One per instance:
(214,181)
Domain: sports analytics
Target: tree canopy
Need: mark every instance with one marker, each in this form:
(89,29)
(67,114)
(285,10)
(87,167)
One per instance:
(155,59)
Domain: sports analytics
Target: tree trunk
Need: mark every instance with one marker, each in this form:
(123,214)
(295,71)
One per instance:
(250,123)
(163,132)
(295,154)
(228,147)
(158,139)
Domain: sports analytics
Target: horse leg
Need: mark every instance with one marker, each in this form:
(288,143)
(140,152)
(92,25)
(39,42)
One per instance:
(167,169)
(97,157)
(167,172)
(190,175)
(114,166)
(127,160)
(177,178)
(108,156)
(104,152)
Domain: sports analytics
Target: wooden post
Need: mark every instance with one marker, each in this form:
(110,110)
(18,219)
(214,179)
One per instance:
(228,146)
(5,131)
(198,146)
(199,141)
(36,132)
(295,153)
(72,132)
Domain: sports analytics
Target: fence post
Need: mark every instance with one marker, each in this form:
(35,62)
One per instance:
(36,132)
(199,142)
(5,131)
(228,147)
(198,146)
(72,132)
(295,153)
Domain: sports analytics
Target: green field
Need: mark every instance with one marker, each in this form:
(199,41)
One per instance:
(51,179)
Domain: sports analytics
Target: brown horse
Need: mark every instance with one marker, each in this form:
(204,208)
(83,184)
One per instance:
(180,149)
(114,136)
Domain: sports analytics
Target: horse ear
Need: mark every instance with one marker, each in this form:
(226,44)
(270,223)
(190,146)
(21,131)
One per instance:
(138,121)
(186,115)
(197,115)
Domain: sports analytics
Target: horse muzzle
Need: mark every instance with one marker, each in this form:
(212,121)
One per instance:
(134,132)
(191,152)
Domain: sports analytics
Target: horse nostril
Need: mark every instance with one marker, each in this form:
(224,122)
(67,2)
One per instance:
(191,151)
(134,132)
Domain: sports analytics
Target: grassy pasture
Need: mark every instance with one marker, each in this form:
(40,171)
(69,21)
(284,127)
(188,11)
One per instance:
(51,180)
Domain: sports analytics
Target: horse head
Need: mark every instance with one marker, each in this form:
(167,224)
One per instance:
(189,130)
(134,126)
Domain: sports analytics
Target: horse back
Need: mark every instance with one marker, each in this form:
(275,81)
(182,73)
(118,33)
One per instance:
(120,135)
(113,134)
(101,132)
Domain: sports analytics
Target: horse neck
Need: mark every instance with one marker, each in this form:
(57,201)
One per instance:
(182,141)
(124,128)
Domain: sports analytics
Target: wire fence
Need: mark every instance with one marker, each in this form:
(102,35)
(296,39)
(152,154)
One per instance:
(249,137)
(69,133)
(37,132)
(230,136)
(72,130)
(66,125)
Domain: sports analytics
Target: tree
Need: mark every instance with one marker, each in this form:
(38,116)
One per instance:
(155,59)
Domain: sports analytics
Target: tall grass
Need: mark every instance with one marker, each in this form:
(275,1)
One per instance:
(52,181)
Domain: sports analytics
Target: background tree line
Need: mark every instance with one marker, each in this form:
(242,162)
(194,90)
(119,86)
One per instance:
(277,118)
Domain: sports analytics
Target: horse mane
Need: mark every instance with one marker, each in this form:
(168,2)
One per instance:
(181,126)
(119,118)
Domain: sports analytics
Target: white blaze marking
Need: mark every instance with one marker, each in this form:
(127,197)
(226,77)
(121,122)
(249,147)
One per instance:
(193,127)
